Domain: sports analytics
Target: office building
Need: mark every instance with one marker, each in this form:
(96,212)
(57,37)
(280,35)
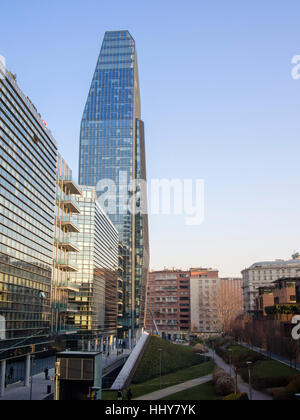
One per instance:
(112,147)
(96,274)
(27,196)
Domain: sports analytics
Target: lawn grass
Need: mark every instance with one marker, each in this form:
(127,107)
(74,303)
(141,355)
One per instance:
(171,379)
(266,373)
(204,392)
(109,395)
(174,357)
(241,351)
(273,369)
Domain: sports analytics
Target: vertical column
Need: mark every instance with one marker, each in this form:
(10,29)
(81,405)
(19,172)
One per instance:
(130,339)
(2,377)
(27,371)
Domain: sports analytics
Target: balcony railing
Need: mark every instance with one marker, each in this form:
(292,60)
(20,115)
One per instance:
(66,245)
(65,265)
(68,203)
(69,286)
(68,224)
(70,185)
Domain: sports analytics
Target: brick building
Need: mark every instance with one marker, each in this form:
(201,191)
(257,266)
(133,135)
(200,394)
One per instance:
(168,303)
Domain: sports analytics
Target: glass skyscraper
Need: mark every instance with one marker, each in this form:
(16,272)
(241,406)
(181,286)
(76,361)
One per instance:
(112,147)
(27,195)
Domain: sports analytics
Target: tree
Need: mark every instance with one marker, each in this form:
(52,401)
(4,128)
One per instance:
(229,305)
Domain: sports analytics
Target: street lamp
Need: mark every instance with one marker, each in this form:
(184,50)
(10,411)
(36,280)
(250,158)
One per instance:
(250,384)
(57,375)
(32,357)
(230,360)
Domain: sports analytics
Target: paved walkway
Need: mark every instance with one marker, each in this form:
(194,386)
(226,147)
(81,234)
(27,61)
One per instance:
(163,393)
(243,387)
(18,392)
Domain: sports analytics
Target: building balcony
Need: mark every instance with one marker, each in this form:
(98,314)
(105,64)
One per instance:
(59,307)
(71,287)
(68,203)
(66,245)
(72,307)
(67,224)
(70,185)
(65,265)
(67,329)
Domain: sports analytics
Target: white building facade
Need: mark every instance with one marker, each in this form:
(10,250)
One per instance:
(263,274)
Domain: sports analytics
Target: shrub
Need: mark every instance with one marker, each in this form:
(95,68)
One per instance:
(200,348)
(264,382)
(288,309)
(288,393)
(217,373)
(224,384)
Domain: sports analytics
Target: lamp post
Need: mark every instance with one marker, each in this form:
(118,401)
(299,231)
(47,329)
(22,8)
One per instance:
(250,382)
(31,379)
(57,375)
(230,360)
(160,366)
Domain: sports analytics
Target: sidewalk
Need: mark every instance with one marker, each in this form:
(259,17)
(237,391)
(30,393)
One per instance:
(243,387)
(18,392)
(163,393)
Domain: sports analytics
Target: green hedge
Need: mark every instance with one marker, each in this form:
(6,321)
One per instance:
(174,358)
(290,391)
(283,309)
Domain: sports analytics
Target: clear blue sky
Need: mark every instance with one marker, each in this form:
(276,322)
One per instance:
(218,102)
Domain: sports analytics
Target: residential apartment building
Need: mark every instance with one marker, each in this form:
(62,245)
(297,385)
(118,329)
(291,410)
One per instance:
(96,274)
(112,149)
(282,292)
(66,207)
(264,299)
(205,298)
(168,304)
(263,274)
(27,197)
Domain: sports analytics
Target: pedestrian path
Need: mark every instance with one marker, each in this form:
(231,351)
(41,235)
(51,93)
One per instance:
(18,392)
(163,393)
(243,387)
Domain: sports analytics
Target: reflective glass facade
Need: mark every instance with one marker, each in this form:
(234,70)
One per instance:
(97,271)
(27,195)
(112,147)
(66,206)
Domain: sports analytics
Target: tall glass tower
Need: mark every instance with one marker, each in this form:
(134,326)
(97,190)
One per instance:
(112,147)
